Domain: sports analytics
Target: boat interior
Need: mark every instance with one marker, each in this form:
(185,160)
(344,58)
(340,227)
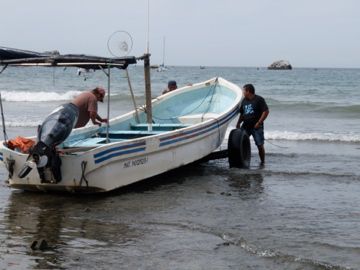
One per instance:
(116,135)
(176,111)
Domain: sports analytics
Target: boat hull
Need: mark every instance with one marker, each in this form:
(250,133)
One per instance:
(115,165)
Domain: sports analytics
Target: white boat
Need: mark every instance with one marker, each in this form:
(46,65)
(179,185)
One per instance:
(162,67)
(186,125)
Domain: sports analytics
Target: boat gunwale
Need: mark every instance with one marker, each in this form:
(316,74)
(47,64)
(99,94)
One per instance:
(162,136)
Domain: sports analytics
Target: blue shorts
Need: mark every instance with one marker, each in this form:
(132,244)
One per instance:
(258,135)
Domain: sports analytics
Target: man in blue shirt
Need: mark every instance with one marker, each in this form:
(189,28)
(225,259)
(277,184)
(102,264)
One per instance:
(253,112)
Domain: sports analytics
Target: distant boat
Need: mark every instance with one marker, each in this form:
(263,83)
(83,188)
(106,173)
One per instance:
(162,67)
(202,67)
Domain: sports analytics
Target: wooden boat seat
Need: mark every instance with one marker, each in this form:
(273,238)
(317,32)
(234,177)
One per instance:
(197,118)
(137,131)
(89,142)
(158,126)
(114,136)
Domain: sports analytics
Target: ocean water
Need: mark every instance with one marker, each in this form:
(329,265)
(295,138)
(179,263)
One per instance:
(300,211)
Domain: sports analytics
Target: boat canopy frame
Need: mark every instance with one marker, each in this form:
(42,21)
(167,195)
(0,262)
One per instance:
(16,57)
(24,58)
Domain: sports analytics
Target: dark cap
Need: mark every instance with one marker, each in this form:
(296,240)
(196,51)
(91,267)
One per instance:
(171,83)
(99,92)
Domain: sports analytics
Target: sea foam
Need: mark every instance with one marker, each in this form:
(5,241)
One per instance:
(28,96)
(307,136)
(312,136)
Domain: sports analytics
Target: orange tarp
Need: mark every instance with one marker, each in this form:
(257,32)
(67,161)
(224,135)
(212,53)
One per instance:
(21,144)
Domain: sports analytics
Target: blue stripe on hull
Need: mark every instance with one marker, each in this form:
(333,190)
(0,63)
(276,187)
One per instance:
(116,154)
(107,151)
(118,151)
(125,149)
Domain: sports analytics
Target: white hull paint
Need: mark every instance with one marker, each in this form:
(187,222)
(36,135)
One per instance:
(114,165)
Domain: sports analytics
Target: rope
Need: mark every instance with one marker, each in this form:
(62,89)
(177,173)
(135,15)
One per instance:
(83,168)
(132,96)
(10,166)
(276,145)
(219,132)
(211,89)
(212,96)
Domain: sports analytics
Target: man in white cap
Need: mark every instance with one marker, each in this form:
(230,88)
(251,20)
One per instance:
(57,127)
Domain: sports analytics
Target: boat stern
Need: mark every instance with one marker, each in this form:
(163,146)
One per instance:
(14,162)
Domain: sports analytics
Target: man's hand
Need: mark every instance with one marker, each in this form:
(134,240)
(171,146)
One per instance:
(241,118)
(257,125)
(103,120)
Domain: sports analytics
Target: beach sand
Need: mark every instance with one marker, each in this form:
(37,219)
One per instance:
(298,212)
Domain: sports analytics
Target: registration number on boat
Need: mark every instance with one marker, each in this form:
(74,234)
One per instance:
(135,162)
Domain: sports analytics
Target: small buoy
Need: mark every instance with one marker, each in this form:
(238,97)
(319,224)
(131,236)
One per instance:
(239,149)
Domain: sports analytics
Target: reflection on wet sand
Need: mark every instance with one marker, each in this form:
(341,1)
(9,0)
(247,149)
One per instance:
(86,229)
(62,221)
(181,214)
(247,184)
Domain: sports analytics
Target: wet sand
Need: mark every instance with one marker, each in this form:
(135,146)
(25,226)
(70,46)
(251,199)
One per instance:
(204,216)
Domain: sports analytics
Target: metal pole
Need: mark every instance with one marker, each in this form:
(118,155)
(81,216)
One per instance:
(148,90)
(163,62)
(108,106)
(132,96)
(148,28)
(2,111)
(3,120)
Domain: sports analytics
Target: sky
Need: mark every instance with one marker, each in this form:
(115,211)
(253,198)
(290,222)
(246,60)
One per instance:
(307,33)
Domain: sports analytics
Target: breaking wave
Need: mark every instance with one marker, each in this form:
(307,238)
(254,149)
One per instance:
(22,123)
(323,107)
(306,136)
(269,135)
(28,96)
(312,136)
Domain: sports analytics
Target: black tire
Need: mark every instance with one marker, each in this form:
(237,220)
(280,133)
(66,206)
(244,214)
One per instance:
(239,149)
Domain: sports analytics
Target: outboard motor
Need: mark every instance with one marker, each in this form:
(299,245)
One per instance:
(54,130)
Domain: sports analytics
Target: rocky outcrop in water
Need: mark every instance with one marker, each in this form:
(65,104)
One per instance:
(281,64)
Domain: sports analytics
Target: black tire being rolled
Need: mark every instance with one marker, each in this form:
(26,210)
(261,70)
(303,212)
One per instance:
(239,149)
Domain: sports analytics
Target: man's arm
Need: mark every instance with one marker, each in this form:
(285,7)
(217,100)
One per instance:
(102,120)
(261,119)
(96,119)
(241,118)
